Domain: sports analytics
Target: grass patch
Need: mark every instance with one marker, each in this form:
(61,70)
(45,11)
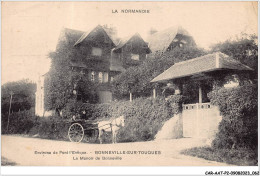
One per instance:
(6,162)
(240,157)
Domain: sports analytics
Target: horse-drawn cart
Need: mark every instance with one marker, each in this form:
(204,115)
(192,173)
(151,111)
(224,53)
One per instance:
(83,129)
(90,130)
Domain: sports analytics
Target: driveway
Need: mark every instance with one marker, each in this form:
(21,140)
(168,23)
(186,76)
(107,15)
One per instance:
(41,152)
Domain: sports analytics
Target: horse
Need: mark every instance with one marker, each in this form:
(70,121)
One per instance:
(112,125)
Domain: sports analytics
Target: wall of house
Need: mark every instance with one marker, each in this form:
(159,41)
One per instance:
(39,97)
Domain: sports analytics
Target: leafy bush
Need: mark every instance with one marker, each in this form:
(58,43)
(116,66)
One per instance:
(25,122)
(23,95)
(238,107)
(19,122)
(240,157)
(51,128)
(143,116)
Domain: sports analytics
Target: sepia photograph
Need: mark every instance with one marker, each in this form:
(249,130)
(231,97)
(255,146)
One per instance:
(130,84)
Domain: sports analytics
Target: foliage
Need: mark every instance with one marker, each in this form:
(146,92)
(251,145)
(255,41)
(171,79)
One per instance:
(238,107)
(26,123)
(244,49)
(7,162)
(23,96)
(144,116)
(61,80)
(240,157)
(175,102)
(50,128)
(137,78)
(20,122)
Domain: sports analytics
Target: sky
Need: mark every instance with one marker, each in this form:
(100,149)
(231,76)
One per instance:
(30,30)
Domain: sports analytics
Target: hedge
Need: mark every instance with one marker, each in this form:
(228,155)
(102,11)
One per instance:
(26,123)
(19,122)
(238,107)
(143,118)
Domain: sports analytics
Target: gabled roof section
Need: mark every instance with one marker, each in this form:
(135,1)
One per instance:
(160,41)
(85,35)
(206,63)
(125,40)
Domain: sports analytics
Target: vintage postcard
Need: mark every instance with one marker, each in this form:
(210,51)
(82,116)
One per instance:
(130,84)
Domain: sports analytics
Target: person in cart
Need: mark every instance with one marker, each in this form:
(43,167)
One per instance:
(84,115)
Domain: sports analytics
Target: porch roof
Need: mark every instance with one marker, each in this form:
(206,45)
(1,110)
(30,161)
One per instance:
(206,63)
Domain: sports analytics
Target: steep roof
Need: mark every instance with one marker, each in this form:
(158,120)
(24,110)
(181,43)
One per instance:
(85,35)
(123,41)
(160,41)
(206,63)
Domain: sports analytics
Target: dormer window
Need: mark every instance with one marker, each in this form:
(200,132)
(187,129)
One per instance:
(135,56)
(96,51)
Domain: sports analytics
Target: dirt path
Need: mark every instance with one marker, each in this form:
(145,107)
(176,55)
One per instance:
(27,152)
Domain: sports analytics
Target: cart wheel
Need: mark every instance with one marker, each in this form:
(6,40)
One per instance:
(76,132)
(92,136)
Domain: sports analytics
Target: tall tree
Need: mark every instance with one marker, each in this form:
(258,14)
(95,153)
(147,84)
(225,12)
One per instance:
(62,82)
(244,49)
(23,95)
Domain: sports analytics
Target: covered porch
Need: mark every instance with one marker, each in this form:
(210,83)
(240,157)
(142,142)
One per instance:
(194,79)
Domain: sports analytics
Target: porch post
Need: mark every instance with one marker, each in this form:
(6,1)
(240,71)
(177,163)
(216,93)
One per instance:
(200,93)
(130,96)
(154,93)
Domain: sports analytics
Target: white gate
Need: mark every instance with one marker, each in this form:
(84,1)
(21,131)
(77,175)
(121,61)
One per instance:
(200,120)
